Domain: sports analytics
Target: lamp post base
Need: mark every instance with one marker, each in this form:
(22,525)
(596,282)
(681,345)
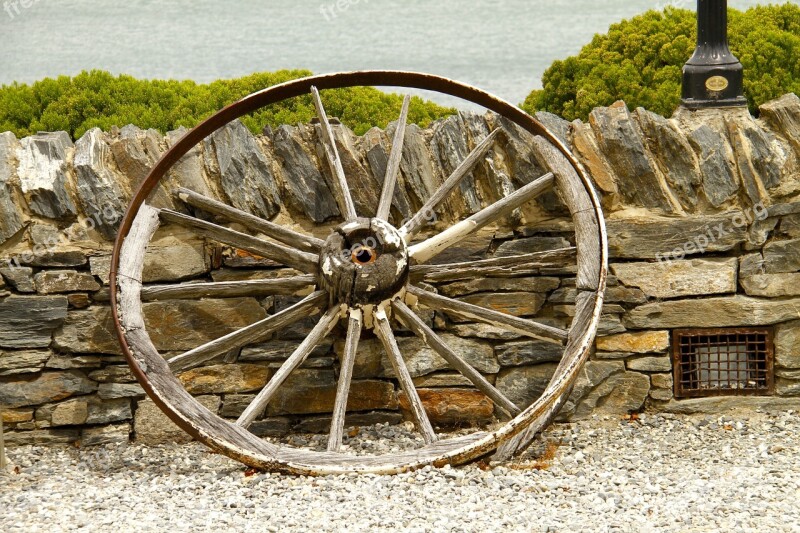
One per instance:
(713,86)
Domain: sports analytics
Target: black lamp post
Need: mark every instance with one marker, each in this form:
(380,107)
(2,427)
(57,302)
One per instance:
(713,77)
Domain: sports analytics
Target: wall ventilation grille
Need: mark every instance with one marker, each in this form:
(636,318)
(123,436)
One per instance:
(722,362)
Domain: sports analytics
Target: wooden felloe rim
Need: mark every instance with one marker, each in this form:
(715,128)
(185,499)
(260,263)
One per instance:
(397,268)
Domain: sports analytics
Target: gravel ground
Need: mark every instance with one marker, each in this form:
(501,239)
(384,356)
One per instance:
(657,473)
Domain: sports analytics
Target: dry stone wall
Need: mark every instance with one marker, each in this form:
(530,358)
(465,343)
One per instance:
(703,214)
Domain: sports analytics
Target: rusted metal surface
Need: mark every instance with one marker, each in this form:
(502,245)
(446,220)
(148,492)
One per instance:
(722,362)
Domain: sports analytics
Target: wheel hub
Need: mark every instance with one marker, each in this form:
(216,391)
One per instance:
(363,262)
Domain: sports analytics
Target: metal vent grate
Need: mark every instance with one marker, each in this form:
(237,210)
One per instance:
(720,362)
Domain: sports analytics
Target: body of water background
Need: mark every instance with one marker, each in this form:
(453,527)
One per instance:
(501,46)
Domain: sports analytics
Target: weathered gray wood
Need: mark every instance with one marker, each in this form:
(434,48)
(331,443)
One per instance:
(345,378)
(302,261)
(430,248)
(344,197)
(576,354)
(393,166)
(292,238)
(494,318)
(160,381)
(588,235)
(228,289)
(463,170)
(320,331)
(384,332)
(253,333)
(131,264)
(518,443)
(415,324)
(239,444)
(499,267)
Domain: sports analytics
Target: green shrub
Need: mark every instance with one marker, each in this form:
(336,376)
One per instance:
(99,99)
(640,61)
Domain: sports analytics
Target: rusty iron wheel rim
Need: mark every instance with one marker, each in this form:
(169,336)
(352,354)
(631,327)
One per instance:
(535,416)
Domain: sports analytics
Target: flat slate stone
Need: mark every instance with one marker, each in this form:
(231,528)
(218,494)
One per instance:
(523,385)
(512,303)
(365,189)
(783,114)
(530,352)
(722,404)
(719,181)
(42,437)
(218,379)
(372,361)
(188,171)
(449,147)
(29,321)
(674,279)
(108,411)
(772,285)
(43,174)
(787,342)
(621,141)
(11,217)
(635,342)
(530,245)
(301,395)
(23,361)
(99,192)
(619,394)
(782,256)
(375,144)
(530,284)
(97,436)
(712,312)
(44,388)
(152,426)
(672,238)
(244,171)
(585,146)
(453,407)
(418,167)
(61,281)
(21,278)
(672,154)
(307,192)
(661,363)
(135,153)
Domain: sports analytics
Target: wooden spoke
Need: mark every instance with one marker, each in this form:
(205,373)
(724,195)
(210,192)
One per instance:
(498,267)
(416,222)
(320,331)
(384,332)
(393,166)
(227,289)
(427,249)
(415,324)
(303,261)
(307,243)
(494,318)
(335,162)
(255,332)
(345,378)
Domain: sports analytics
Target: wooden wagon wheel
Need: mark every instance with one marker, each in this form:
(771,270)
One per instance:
(364,272)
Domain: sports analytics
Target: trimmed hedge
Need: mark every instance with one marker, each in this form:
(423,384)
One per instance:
(99,99)
(640,61)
